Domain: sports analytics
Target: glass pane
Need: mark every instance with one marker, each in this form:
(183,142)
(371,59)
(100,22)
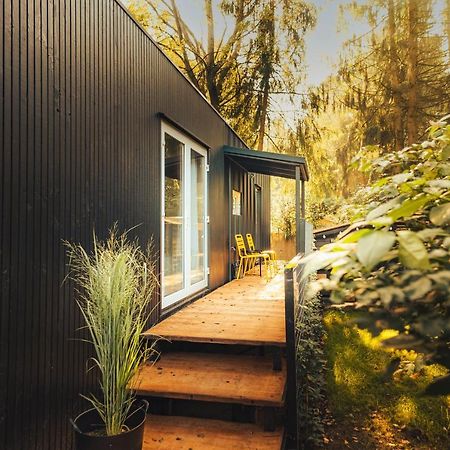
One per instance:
(173,220)
(198,217)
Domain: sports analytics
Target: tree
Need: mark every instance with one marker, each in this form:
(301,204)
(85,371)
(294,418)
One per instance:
(395,77)
(447,26)
(240,70)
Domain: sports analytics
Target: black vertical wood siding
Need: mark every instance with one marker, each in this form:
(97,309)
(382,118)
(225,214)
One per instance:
(245,223)
(80,149)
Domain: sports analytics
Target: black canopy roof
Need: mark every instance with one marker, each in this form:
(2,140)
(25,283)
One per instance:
(274,164)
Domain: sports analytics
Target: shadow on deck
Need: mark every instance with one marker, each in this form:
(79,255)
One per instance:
(220,383)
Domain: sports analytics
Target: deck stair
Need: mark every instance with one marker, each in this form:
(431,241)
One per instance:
(214,386)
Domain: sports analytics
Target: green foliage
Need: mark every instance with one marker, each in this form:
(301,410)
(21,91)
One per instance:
(401,262)
(362,379)
(251,52)
(394,78)
(310,373)
(325,212)
(115,284)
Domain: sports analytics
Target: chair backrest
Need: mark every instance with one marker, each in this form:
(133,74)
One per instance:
(240,245)
(250,243)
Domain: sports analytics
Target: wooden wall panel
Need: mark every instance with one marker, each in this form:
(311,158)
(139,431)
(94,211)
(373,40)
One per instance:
(82,86)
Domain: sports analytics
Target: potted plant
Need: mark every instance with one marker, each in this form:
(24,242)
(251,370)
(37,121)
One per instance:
(114,286)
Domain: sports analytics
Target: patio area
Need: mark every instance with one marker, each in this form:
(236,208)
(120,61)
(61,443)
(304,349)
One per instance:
(248,311)
(221,381)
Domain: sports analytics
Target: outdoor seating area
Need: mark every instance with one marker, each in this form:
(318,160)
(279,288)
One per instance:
(249,257)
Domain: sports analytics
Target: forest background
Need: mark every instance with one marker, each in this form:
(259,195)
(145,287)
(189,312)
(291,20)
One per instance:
(389,77)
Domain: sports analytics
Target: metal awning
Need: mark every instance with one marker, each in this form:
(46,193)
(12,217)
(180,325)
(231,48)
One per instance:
(267,163)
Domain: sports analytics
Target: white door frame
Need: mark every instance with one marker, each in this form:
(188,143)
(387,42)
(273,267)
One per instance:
(188,144)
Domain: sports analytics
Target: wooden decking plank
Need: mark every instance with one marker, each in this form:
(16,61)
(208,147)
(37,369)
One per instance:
(237,315)
(242,379)
(247,311)
(254,307)
(184,433)
(233,334)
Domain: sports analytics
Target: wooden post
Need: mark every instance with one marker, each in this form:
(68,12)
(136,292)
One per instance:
(298,207)
(291,371)
(303,199)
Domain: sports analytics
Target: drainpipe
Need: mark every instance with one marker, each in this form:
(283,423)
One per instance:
(300,212)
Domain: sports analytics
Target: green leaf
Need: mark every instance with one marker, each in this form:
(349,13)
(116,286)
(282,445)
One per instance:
(442,277)
(409,207)
(446,243)
(319,260)
(372,247)
(440,215)
(355,236)
(412,252)
(446,152)
(442,184)
(438,253)
(383,221)
(419,288)
(381,182)
(382,209)
(401,178)
(428,234)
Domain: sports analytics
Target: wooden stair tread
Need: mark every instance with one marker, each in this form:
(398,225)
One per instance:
(215,319)
(242,379)
(183,433)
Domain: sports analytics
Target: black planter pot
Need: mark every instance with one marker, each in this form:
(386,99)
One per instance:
(131,440)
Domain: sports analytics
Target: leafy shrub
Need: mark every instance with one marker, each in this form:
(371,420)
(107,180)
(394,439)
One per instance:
(398,257)
(325,209)
(310,374)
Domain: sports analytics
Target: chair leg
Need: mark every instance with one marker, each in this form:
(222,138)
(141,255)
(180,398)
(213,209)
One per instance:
(267,264)
(239,269)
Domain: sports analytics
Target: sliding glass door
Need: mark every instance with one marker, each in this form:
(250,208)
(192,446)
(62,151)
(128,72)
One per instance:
(184,217)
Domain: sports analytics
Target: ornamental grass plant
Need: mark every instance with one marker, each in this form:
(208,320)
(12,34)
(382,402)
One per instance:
(114,288)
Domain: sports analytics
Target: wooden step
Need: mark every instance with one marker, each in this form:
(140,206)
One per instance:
(219,320)
(248,380)
(184,433)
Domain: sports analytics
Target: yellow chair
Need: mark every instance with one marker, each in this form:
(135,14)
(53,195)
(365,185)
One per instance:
(251,247)
(247,260)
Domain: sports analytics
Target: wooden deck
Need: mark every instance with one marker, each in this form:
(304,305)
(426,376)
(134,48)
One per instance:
(207,395)
(249,311)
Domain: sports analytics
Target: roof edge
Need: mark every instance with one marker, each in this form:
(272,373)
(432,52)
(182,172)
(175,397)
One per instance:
(261,155)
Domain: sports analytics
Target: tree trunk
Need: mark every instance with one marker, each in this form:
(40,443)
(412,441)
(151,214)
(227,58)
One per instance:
(394,79)
(267,75)
(210,68)
(447,20)
(411,76)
